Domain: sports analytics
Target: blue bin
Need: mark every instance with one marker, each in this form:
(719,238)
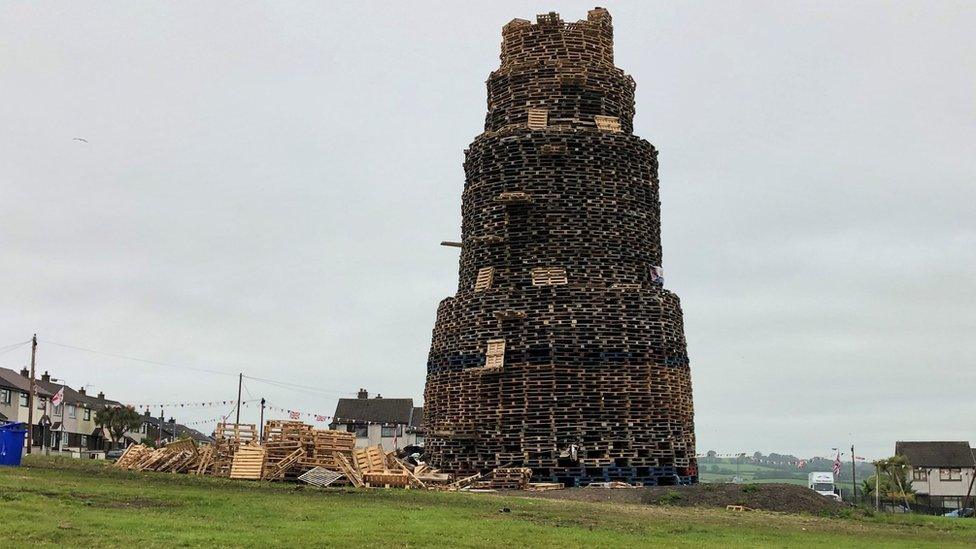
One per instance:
(12,437)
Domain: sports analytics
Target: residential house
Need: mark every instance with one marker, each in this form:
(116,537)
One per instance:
(942,472)
(171,431)
(393,422)
(15,398)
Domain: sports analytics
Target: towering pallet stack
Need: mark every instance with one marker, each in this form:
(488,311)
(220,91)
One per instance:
(561,351)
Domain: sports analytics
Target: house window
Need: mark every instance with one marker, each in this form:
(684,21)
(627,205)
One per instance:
(420,440)
(144,429)
(950,474)
(495,357)
(84,441)
(23,399)
(5,396)
(54,440)
(87,414)
(57,409)
(41,403)
(538,119)
(549,276)
(484,279)
(362,431)
(72,411)
(607,123)
(920,474)
(388,431)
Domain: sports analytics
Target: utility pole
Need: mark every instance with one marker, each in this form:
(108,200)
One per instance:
(240,381)
(877,487)
(261,426)
(854,473)
(30,397)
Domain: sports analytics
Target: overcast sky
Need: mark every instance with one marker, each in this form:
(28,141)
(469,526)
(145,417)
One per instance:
(265,185)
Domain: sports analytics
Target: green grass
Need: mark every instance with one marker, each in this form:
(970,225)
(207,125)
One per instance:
(52,501)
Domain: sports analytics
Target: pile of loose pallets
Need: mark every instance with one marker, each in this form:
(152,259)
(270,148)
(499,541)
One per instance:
(294,451)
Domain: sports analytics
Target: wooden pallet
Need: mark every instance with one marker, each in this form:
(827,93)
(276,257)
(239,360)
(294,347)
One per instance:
(371,459)
(248,463)
(387,479)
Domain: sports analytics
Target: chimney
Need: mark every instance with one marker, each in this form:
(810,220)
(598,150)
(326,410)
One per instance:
(147,412)
(81,391)
(101,395)
(46,376)
(24,372)
(362,394)
(172,420)
(379,395)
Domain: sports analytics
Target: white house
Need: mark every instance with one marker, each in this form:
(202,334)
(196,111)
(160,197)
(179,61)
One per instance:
(942,472)
(393,422)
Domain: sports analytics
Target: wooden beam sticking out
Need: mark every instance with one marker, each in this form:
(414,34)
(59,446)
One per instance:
(451,244)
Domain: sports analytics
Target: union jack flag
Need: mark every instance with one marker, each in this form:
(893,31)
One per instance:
(319,418)
(294,415)
(837,464)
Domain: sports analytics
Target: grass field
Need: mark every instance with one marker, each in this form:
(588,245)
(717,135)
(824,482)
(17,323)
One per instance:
(52,501)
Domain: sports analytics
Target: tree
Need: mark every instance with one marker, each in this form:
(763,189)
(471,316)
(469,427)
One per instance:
(118,420)
(892,480)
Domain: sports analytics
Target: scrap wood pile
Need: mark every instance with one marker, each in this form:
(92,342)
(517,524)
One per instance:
(295,451)
(289,449)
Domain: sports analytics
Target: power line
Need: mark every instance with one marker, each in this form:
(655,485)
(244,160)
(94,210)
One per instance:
(13,347)
(297,387)
(281,384)
(125,357)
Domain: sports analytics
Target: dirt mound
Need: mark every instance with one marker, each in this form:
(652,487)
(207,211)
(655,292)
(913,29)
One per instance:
(786,498)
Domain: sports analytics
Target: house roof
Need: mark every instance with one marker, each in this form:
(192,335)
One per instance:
(417,417)
(936,454)
(70,395)
(13,379)
(375,410)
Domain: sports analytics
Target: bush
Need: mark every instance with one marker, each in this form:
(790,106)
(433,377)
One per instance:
(669,498)
(750,488)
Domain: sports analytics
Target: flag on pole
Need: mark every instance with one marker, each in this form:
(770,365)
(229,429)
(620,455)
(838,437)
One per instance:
(837,464)
(319,418)
(58,398)
(294,415)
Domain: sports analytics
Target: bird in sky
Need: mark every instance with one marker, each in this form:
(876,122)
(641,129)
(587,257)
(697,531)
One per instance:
(79,139)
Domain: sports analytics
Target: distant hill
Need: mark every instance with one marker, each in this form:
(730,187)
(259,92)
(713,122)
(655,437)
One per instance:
(784,468)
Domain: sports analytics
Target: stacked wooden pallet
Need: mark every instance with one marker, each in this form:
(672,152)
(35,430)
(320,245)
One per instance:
(561,351)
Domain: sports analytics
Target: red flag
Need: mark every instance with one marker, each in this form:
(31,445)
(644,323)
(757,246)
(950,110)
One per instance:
(837,465)
(319,418)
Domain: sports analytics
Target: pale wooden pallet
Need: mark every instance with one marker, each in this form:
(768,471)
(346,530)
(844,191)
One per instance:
(277,470)
(371,459)
(248,463)
(484,278)
(387,479)
(607,123)
(347,469)
(538,119)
